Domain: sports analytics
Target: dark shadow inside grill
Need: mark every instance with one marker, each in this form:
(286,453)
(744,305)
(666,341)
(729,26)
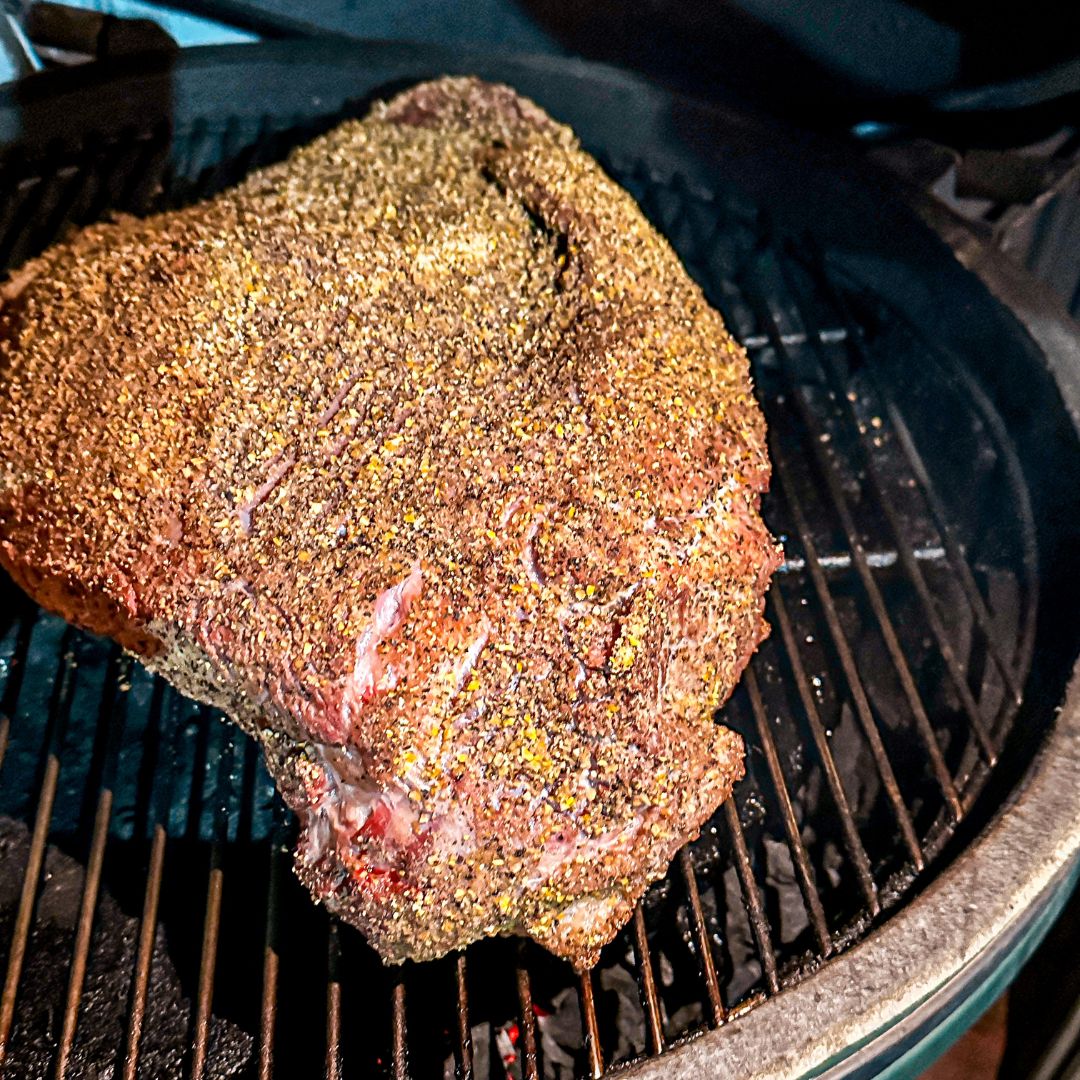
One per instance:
(918,517)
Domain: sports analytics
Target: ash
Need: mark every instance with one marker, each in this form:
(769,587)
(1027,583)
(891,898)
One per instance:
(103,1015)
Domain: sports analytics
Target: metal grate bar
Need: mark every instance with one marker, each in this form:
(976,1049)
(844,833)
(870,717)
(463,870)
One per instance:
(207,964)
(937,628)
(87,909)
(167,718)
(137,193)
(94,195)
(333,1001)
(827,335)
(879,560)
(237,149)
(400,1045)
(909,563)
(111,717)
(14,183)
(650,1001)
(271,960)
(463,1055)
(268,1014)
(75,184)
(118,169)
(25,200)
(800,858)
(852,841)
(145,954)
(530,1069)
(50,196)
(189,168)
(918,467)
(32,874)
(214,888)
(704,945)
(210,178)
(594,1053)
(952,544)
(59,713)
(752,897)
(876,600)
(851,671)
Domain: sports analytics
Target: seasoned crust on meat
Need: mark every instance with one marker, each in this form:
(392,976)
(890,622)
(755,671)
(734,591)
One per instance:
(421,455)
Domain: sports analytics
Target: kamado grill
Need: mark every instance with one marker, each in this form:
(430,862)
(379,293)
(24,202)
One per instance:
(909,824)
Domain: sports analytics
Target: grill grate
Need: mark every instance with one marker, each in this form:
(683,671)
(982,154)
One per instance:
(903,628)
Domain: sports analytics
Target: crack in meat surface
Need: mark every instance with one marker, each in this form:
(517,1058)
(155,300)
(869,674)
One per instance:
(421,456)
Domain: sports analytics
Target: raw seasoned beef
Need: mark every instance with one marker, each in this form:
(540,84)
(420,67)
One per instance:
(422,457)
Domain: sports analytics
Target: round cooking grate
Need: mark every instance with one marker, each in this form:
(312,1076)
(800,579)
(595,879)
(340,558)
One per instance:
(149,922)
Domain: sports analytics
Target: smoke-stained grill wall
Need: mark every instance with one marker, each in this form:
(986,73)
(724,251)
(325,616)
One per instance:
(904,620)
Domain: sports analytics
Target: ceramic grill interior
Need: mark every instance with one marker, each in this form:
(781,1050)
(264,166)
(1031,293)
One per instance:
(150,924)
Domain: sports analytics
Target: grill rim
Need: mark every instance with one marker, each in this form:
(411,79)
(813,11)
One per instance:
(1025,857)
(672,1057)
